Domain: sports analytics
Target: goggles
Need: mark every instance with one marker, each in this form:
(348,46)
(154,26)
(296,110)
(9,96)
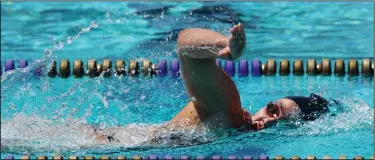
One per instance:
(273,109)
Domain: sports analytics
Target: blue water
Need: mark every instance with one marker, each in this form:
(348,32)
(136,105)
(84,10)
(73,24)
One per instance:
(40,115)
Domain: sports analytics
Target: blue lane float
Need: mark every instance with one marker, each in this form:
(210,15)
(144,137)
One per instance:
(22,63)
(256,67)
(243,68)
(9,65)
(9,157)
(218,62)
(153,157)
(229,68)
(162,68)
(175,68)
(247,158)
(263,157)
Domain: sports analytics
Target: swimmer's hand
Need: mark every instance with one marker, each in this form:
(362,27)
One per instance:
(236,44)
(258,125)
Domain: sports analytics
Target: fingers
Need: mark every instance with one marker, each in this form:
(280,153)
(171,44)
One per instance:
(236,28)
(258,125)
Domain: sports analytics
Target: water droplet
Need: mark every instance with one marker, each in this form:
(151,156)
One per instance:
(64,105)
(47,52)
(12,106)
(93,24)
(162,14)
(86,29)
(193,99)
(102,125)
(69,40)
(109,93)
(61,45)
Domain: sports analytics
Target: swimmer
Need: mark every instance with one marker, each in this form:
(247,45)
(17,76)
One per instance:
(215,100)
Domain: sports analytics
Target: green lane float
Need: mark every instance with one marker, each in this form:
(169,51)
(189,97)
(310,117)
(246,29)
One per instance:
(92,70)
(311,67)
(105,158)
(107,66)
(325,67)
(52,72)
(78,71)
(309,157)
(339,67)
(57,157)
(298,67)
(342,157)
(270,67)
(146,67)
(295,158)
(359,158)
(279,158)
(120,67)
(353,68)
(284,67)
(367,69)
(42,158)
(25,157)
(133,69)
(121,158)
(73,158)
(64,68)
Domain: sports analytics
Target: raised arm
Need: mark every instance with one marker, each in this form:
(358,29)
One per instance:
(203,43)
(200,43)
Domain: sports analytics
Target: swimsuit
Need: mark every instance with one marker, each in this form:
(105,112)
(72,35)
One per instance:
(311,107)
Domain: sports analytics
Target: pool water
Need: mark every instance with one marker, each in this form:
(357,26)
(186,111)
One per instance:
(46,116)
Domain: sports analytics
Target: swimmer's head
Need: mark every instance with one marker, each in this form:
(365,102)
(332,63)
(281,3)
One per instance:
(275,111)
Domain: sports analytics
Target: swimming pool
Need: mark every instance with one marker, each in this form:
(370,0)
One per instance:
(40,115)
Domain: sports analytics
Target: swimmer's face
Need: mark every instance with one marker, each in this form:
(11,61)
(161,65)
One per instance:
(268,115)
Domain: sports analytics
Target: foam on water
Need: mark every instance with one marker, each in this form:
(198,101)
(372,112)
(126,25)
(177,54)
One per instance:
(34,133)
